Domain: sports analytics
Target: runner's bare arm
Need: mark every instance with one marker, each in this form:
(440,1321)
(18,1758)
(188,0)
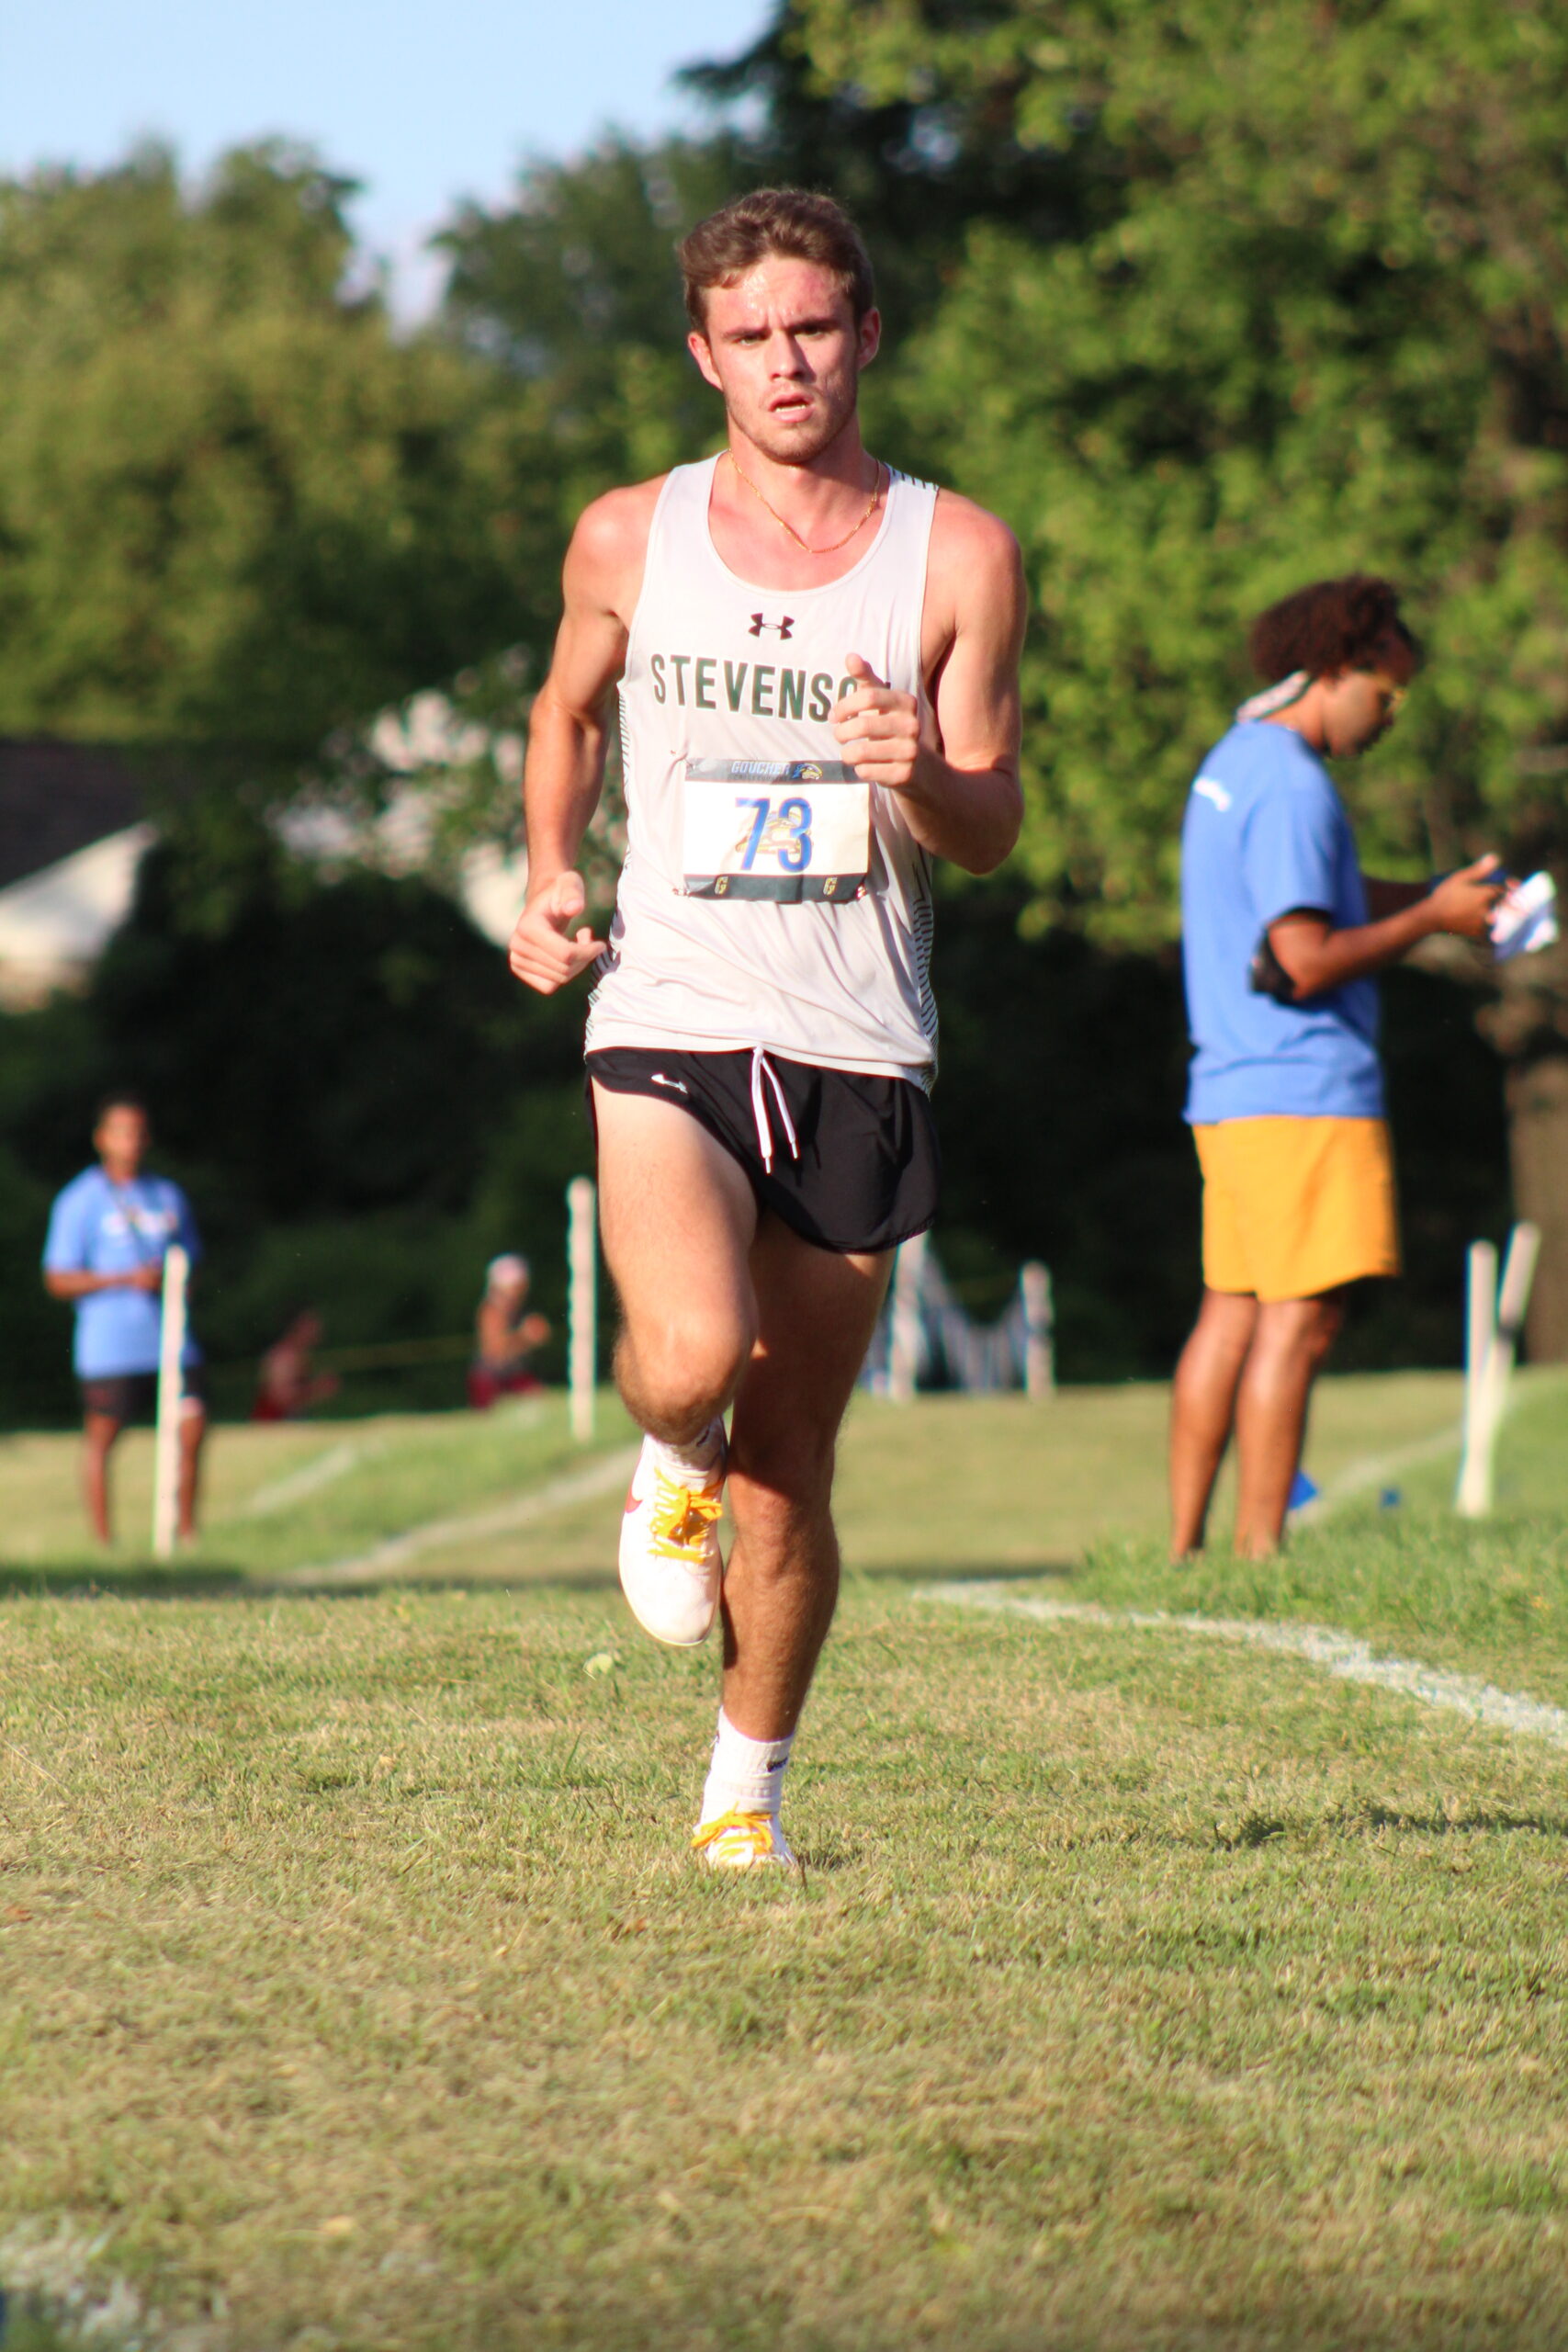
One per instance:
(567,733)
(956,768)
(83,1285)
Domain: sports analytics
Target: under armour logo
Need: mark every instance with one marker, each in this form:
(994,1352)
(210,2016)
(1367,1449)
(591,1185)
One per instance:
(759,624)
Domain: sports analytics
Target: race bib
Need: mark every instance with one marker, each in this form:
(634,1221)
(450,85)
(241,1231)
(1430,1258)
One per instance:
(774,829)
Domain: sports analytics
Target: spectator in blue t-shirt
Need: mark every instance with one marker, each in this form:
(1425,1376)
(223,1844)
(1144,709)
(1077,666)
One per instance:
(108,1231)
(1281,935)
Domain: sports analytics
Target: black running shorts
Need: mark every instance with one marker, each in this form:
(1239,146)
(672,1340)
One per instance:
(866,1169)
(133,1396)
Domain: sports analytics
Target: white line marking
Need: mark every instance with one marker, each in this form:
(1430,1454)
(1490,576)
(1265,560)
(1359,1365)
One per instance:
(1373,1468)
(598,1477)
(322,1471)
(56,2273)
(325,1469)
(1343,1655)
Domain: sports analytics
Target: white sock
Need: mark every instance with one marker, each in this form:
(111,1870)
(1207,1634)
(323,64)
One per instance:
(746,1775)
(699,1459)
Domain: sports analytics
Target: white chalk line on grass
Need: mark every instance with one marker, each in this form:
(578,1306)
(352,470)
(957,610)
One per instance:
(598,1477)
(1373,1469)
(54,2270)
(326,1469)
(1343,1655)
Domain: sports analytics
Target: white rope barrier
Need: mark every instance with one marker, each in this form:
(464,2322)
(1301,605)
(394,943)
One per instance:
(926,1339)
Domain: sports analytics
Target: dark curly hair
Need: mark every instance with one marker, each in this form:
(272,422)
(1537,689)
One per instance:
(1334,624)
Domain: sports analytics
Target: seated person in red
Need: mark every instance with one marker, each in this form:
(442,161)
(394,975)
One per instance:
(506,1337)
(288,1386)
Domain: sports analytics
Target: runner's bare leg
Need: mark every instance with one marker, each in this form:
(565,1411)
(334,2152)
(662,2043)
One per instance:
(193,1431)
(817,1310)
(678,1219)
(1203,1410)
(98,1435)
(1291,1341)
(718,1308)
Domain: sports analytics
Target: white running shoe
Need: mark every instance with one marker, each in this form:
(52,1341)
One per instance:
(742,1841)
(671,1566)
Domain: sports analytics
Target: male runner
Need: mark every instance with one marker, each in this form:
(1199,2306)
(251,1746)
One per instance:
(108,1231)
(1281,934)
(817,660)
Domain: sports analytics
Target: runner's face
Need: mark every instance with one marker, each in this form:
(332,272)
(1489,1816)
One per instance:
(1362,704)
(782,346)
(120,1140)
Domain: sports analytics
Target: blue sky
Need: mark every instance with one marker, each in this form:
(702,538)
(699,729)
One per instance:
(423,100)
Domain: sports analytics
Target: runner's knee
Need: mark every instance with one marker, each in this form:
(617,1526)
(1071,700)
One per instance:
(684,1365)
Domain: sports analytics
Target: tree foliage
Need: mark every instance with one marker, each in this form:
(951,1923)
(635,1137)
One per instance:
(568,297)
(233,507)
(1313,318)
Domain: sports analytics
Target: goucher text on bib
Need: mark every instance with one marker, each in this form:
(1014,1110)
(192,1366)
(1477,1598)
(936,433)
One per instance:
(787,830)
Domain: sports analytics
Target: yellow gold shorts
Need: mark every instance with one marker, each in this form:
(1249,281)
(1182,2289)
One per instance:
(1293,1207)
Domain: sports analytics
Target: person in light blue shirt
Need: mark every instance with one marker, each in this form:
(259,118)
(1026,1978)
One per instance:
(1265,833)
(1281,938)
(108,1233)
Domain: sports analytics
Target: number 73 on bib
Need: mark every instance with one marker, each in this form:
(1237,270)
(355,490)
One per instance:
(787,830)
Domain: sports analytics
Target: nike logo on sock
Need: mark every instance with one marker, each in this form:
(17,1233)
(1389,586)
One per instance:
(657,1078)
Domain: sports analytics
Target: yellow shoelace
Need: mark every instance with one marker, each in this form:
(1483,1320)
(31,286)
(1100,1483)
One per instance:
(756,1829)
(681,1517)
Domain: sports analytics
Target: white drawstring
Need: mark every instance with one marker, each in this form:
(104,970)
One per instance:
(762,1067)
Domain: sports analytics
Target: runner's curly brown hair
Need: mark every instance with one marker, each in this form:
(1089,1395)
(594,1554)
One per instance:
(1334,624)
(789,220)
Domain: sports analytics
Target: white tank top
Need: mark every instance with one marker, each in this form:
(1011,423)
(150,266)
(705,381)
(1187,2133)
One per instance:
(768,898)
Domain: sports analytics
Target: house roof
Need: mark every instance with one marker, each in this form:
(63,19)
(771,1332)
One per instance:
(58,797)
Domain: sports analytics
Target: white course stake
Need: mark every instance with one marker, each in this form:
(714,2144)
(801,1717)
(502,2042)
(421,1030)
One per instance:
(903,1349)
(1039,1331)
(582,1304)
(167,1453)
(1493,1322)
(1480,1330)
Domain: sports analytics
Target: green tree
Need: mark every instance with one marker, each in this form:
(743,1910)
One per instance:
(570,294)
(1317,319)
(233,506)
(917,160)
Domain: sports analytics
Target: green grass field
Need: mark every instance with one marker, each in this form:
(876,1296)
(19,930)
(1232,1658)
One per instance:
(1143,1990)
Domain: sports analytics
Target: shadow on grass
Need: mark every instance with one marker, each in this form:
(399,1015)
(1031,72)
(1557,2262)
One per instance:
(221,1580)
(1465,1824)
(224,1580)
(969,1572)
(302,1586)
(101,1581)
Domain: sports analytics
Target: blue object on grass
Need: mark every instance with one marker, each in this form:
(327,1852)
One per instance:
(1390,1498)
(1303,1492)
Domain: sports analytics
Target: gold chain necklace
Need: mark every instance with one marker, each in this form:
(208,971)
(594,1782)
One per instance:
(805,544)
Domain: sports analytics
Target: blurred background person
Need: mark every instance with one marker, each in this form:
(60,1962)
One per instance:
(108,1233)
(288,1386)
(1281,936)
(505,1335)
